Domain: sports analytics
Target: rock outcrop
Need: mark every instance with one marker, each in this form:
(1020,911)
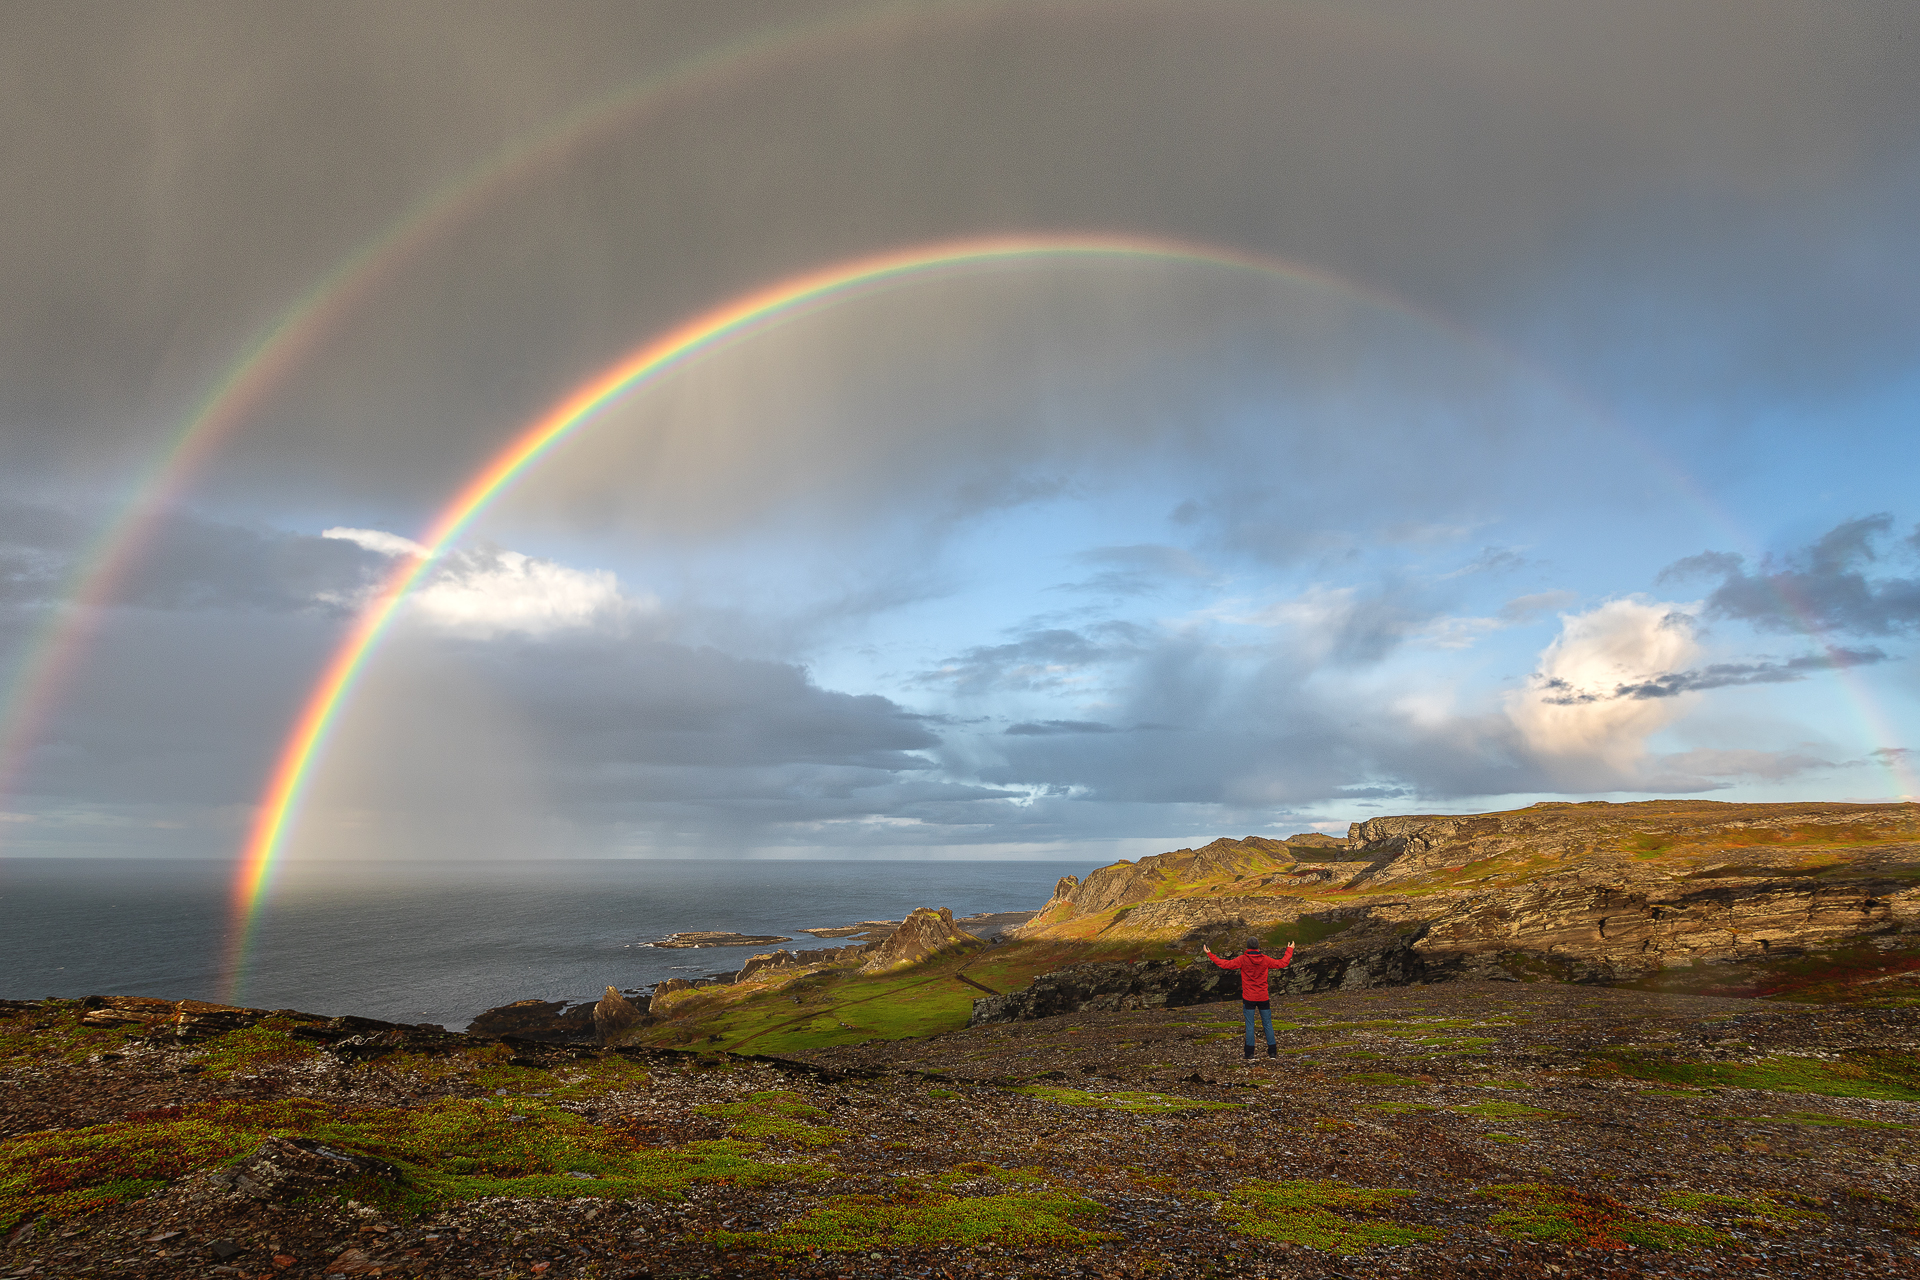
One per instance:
(924,933)
(285,1169)
(615,1018)
(1593,892)
(551,1021)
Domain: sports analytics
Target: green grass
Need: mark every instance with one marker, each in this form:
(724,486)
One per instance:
(1586,1220)
(1122,1100)
(1885,1076)
(1319,1215)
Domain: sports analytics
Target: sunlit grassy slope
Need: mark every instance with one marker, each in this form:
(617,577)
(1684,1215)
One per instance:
(841,1006)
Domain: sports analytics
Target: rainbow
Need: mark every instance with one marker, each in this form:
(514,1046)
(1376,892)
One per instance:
(749,313)
(46,667)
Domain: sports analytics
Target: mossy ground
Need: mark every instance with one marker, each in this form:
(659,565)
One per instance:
(1330,1216)
(1891,1076)
(1588,1220)
(1121,1100)
(450,1150)
(954,1154)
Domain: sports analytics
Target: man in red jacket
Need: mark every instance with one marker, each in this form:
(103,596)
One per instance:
(1253,964)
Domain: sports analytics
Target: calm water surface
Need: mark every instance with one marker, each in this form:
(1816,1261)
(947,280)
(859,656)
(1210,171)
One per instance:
(433,943)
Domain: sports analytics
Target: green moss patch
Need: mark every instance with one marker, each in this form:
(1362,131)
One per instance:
(1761,1210)
(1331,1216)
(1383,1078)
(775,1114)
(1821,1119)
(246,1051)
(1122,1100)
(920,1217)
(1587,1220)
(54,1031)
(1885,1076)
(1507,1111)
(449,1150)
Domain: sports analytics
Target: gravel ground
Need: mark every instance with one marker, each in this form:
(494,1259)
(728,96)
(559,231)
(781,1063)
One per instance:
(1532,1130)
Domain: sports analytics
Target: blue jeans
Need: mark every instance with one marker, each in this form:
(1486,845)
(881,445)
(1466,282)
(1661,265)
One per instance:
(1266,1021)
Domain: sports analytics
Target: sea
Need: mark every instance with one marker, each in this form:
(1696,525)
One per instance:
(440,943)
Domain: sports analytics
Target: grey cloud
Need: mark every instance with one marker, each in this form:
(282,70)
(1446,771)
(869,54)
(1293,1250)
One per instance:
(1719,675)
(1524,609)
(1042,728)
(1040,660)
(187,562)
(214,162)
(1770,766)
(1828,585)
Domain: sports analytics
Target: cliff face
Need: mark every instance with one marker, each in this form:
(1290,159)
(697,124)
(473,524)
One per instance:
(1584,892)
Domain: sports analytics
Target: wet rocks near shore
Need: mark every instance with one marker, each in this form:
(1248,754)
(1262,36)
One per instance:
(716,938)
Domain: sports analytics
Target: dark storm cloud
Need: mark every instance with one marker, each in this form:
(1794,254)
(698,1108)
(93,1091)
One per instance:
(177,175)
(1719,675)
(1829,585)
(186,563)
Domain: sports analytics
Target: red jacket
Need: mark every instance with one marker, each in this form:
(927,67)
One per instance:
(1253,966)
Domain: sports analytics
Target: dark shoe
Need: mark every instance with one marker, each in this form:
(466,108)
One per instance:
(1249,1053)
(1273,1049)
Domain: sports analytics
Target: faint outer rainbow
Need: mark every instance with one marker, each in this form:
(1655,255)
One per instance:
(786,299)
(48,661)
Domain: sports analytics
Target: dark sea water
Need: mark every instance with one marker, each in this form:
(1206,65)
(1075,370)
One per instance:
(438,943)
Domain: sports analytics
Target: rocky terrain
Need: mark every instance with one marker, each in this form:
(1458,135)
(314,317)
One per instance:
(1465,1129)
(1696,895)
(1675,1039)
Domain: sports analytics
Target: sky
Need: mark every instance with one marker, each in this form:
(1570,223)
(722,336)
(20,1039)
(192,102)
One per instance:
(1474,403)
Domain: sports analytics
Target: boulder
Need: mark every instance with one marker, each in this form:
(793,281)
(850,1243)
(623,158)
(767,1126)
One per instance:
(615,1018)
(290,1168)
(923,934)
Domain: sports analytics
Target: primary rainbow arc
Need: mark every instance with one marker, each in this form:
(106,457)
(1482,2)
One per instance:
(287,783)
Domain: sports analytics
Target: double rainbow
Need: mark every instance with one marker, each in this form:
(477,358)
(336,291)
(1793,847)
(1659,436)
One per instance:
(756,310)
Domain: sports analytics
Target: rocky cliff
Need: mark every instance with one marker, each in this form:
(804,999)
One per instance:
(1694,894)
(924,933)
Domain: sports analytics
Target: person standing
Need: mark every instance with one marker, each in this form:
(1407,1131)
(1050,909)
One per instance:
(1253,964)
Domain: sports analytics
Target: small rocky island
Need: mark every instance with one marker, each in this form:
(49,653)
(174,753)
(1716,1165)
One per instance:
(716,938)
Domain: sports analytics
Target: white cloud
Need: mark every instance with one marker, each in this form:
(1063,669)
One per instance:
(489,591)
(376,540)
(1623,642)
